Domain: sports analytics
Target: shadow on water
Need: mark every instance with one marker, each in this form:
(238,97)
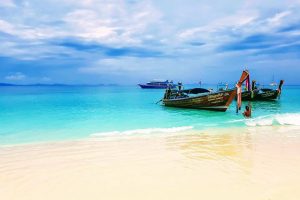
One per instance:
(202,118)
(192,112)
(269,107)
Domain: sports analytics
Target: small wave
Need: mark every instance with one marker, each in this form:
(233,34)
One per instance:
(143,131)
(235,121)
(288,119)
(279,119)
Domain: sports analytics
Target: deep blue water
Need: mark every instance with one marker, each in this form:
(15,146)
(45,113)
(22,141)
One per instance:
(40,113)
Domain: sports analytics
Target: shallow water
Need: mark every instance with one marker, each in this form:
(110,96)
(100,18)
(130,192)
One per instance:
(34,114)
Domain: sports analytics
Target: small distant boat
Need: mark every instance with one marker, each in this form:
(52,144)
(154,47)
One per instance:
(222,86)
(158,84)
(200,98)
(273,83)
(262,94)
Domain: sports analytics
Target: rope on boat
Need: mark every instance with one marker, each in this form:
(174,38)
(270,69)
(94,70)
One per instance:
(158,101)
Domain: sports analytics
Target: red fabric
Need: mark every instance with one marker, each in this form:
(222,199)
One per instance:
(248,83)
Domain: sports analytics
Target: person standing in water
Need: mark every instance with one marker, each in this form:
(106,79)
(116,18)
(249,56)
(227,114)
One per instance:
(180,86)
(247,113)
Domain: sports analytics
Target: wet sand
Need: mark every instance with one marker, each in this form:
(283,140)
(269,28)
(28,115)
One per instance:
(245,163)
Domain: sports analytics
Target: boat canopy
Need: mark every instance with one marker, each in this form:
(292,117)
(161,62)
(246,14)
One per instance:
(195,91)
(266,89)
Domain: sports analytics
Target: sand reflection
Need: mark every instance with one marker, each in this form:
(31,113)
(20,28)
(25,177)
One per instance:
(227,151)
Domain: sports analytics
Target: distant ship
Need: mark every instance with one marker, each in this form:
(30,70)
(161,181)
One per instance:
(273,83)
(158,84)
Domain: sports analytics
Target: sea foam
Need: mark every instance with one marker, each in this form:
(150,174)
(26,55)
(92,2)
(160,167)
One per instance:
(278,119)
(143,131)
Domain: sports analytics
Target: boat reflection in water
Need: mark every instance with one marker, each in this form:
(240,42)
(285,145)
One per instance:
(267,106)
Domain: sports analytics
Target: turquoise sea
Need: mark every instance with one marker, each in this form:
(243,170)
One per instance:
(46,113)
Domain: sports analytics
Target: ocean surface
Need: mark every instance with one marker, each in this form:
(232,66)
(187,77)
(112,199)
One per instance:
(30,114)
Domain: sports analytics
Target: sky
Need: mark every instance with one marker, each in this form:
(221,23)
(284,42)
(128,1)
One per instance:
(131,41)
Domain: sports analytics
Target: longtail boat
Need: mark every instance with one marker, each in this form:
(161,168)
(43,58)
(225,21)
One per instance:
(200,98)
(262,94)
(250,93)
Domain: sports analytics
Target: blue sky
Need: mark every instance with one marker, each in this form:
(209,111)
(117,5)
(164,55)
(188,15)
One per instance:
(131,41)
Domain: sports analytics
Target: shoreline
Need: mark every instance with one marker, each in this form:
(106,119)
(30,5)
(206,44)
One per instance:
(283,120)
(256,163)
(160,132)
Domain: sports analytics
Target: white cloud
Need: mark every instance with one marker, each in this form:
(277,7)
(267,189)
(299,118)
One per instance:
(28,32)
(112,66)
(237,20)
(278,18)
(109,22)
(7,3)
(16,77)
(87,24)
(112,23)
(191,30)
(242,24)
(6,27)
(219,31)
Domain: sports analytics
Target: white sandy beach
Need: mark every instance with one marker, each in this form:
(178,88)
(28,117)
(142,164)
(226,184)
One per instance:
(258,163)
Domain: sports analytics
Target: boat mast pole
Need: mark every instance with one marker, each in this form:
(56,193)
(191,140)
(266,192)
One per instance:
(244,76)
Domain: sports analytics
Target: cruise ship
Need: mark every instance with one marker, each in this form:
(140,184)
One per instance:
(157,84)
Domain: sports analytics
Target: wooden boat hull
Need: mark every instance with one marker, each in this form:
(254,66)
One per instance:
(218,101)
(263,94)
(260,96)
(267,96)
(249,96)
